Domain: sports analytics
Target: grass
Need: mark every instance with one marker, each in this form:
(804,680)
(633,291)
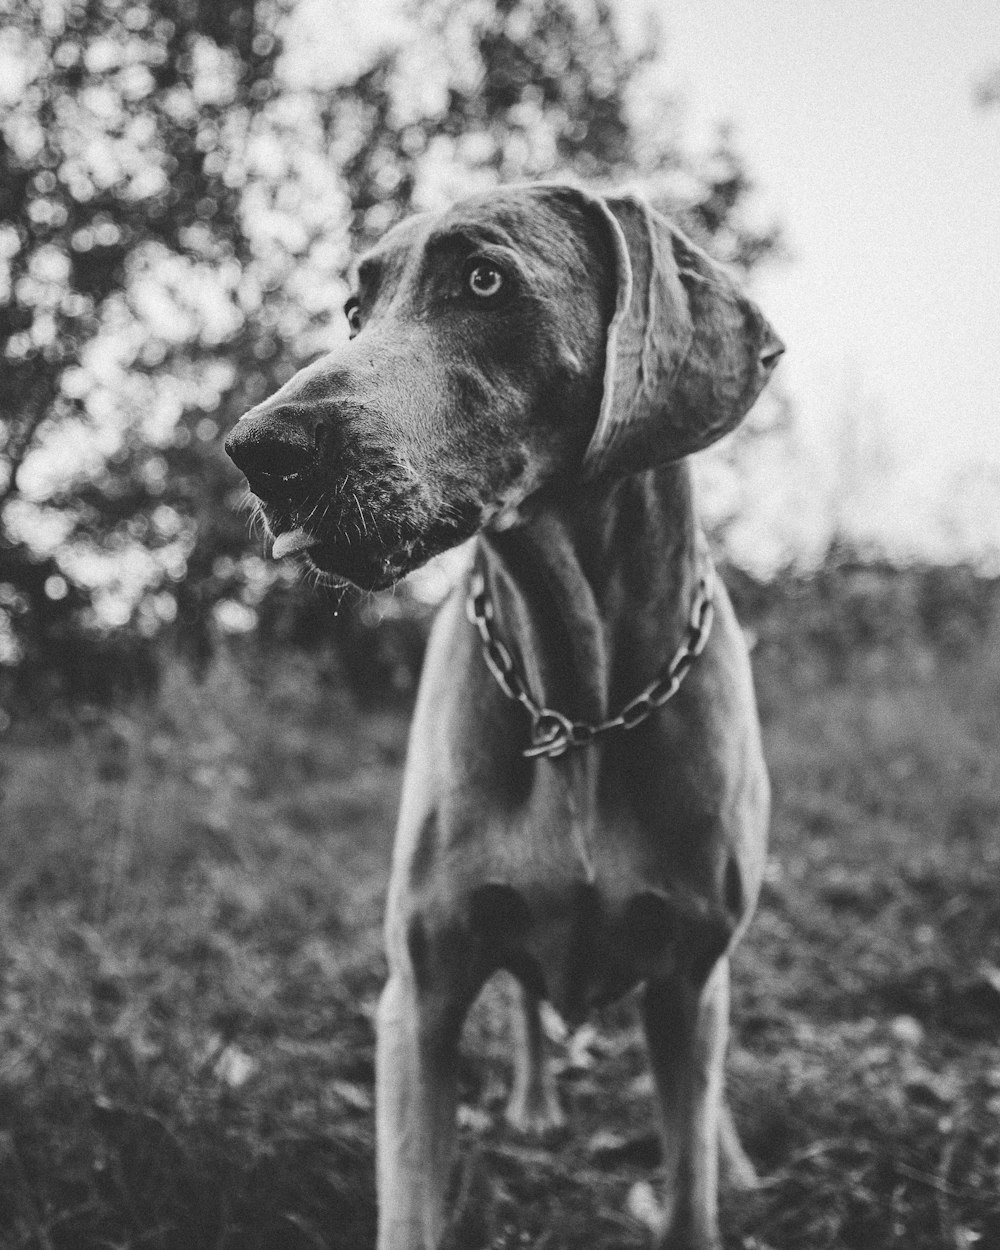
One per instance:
(190,961)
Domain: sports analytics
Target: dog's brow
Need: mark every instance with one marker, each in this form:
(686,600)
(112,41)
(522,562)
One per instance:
(472,234)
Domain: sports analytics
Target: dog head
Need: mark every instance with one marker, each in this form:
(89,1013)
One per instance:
(521,338)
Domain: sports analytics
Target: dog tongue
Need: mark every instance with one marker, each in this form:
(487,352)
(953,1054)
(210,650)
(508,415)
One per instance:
(287,544)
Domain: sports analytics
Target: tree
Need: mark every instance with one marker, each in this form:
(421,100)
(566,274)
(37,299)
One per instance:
(128,272)
(176,213)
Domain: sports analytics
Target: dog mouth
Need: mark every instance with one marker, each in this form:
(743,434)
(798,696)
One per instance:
(339,559)
(368,525)
(372,554)
(291,542)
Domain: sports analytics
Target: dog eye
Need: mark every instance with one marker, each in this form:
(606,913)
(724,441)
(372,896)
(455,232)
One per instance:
(352,310)
(485,279)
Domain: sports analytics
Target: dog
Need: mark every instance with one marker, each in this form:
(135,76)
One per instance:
(585,802)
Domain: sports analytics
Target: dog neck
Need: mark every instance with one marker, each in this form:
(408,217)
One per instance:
(592,590)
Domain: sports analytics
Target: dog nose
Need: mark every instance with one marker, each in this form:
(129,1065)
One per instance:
(270,449)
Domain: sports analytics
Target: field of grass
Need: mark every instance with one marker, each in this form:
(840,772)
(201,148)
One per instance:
(189,940)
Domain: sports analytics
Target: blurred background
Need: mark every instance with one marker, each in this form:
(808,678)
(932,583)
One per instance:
(201,752)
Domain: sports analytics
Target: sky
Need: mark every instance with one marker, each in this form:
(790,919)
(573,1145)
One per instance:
(858,121)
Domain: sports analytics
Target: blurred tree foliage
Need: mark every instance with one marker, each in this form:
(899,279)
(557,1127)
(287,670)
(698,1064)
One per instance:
(181,182)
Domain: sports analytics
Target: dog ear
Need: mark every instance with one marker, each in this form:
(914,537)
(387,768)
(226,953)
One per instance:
(687,351)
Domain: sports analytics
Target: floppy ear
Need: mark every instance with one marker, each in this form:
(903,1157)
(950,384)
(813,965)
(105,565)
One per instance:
(687,351)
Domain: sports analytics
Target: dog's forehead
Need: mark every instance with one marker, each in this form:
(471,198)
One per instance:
(515,218)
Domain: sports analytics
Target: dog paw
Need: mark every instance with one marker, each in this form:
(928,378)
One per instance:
(740,1174)
(737,1170)
(644,1207)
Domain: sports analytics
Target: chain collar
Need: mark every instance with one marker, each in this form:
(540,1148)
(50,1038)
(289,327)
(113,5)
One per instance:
(552,733)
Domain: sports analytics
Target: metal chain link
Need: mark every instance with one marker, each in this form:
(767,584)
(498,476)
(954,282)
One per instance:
(552,733)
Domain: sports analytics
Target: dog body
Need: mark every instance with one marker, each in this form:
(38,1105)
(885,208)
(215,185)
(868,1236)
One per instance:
(555,428)
(635,859)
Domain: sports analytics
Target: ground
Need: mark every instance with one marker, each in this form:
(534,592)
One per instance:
(190,912)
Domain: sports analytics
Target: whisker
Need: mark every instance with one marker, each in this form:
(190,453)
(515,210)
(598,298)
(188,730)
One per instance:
(361,514)
(304,521)
(257,522)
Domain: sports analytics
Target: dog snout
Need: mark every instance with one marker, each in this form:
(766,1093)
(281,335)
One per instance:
(273,449)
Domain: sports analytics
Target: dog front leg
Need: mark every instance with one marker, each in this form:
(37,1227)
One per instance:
(737,1169)
(416,1055)
(687,1033)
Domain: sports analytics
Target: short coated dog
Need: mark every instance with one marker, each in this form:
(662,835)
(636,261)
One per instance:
(585,801)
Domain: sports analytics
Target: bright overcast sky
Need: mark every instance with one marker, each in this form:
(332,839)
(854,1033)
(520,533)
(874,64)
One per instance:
(858,121)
